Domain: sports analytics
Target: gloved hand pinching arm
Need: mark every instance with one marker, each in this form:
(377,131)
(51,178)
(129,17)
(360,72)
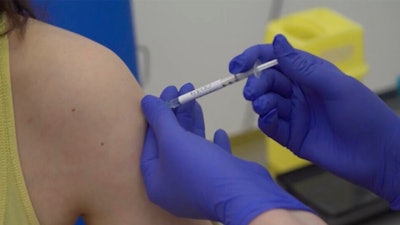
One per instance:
(192,177)
(308,105)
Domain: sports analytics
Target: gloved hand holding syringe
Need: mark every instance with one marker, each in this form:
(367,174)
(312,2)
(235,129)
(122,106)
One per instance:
(218,84)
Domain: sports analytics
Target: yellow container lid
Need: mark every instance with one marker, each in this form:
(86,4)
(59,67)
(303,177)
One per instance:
(325,33)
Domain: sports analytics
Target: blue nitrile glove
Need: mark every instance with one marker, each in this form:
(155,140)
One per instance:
(308,105)
(192,177)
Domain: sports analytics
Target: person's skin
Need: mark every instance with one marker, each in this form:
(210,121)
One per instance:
(287,217)
(80,130)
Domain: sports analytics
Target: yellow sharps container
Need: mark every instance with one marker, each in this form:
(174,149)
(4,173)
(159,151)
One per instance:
(325,33)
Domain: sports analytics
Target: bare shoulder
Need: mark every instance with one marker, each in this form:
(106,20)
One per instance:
(80,130)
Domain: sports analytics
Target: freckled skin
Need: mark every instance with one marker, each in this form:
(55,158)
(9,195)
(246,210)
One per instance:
(55,73)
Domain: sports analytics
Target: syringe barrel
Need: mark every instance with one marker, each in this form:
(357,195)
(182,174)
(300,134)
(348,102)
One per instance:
(201,91)
(218,84)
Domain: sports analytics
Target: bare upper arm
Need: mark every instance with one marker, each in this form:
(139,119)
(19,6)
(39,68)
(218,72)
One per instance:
(81,130)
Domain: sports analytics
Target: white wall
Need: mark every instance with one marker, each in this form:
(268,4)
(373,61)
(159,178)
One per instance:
(193,41)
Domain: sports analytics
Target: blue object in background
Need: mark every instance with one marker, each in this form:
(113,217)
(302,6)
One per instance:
(108,22)
(80,221)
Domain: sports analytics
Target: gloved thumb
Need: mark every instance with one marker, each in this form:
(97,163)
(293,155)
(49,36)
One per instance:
(159,116)
(304,68)
(221,138)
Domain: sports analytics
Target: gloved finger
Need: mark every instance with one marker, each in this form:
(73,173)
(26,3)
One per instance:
(298,122)
(271,80)
(265,103)
(159,116)
(190,115)
(249,57)
(199,126)
(221,138)
(304,68)
(169,93)
(149,154)
(274,127)
(184,113)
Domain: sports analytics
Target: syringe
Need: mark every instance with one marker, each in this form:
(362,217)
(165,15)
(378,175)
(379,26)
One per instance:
(218,84)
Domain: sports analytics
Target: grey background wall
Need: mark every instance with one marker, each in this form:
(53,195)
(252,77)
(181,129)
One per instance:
(193,41)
